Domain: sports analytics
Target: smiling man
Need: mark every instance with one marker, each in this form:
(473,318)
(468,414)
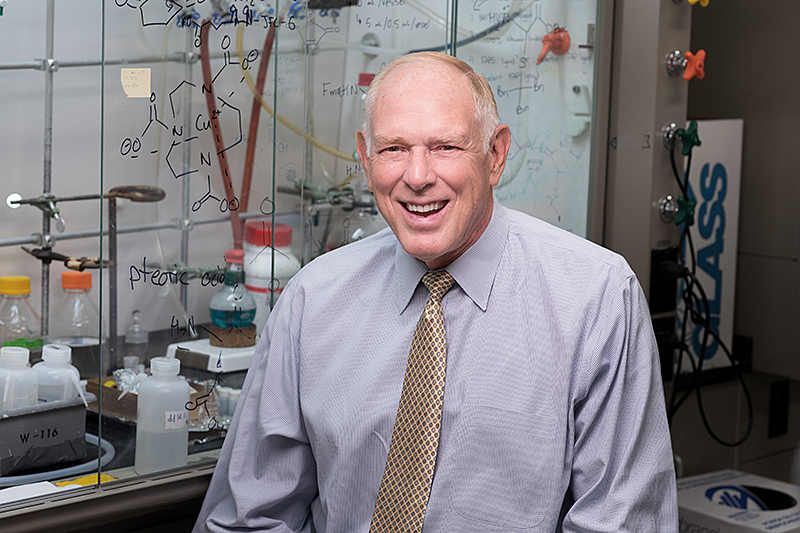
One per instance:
(471,370)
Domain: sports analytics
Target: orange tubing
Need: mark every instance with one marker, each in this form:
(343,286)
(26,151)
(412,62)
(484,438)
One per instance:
(217,133)
(254,116)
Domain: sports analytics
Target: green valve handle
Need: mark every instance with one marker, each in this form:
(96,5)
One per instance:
(689,137)
(685,211)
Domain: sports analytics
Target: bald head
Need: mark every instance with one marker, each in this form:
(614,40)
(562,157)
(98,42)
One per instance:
(486,113)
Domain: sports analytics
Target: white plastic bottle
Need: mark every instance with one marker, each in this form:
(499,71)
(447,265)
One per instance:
(58,379)
(258,264)
(162,421)
(18,382)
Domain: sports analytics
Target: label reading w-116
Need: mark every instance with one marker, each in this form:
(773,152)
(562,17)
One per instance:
(176,419)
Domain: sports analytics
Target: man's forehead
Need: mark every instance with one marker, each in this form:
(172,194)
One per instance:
(422,75)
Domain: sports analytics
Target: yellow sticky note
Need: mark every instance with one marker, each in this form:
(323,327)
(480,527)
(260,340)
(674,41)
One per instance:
(85,480)
(136,82)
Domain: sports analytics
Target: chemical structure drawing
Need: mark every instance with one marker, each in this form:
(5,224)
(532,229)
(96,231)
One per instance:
(153,115)
(226,112)
(317,28)
(536,17)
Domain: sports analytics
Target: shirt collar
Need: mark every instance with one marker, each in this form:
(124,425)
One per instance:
(474,270)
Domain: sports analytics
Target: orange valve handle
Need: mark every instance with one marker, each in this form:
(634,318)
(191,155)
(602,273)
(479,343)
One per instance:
(557,41)
(695,65)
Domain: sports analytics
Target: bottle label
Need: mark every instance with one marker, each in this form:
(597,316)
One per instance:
(176,419)
(25,343)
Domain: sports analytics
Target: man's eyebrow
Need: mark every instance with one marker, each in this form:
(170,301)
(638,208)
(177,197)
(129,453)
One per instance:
(455,138)
(384,140)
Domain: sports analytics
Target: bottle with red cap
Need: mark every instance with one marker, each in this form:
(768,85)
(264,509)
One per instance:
(267,271)
(233,305)
(75,322)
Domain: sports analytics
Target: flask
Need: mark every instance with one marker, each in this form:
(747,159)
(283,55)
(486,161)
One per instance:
(18,382)
(75,322)
(233,305)
(58,379)
(258,264)
(162,421)
(136,342)
(19,323)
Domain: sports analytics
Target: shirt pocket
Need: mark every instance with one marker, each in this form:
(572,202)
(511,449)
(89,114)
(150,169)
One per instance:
(509,466)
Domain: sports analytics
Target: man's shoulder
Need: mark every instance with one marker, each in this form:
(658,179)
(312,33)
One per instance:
(549,243)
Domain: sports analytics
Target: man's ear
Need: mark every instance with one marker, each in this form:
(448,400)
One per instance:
(361,148)
(501,143)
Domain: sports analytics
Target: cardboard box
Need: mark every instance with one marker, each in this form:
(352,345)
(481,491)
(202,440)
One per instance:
(42,435)
(202,400)
(736,502)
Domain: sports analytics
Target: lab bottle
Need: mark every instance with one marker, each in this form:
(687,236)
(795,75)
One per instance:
(233,305)
(18,382)
(75,322)
(162,421)
(19,323)
(58,379)
(262,281)
(136,342)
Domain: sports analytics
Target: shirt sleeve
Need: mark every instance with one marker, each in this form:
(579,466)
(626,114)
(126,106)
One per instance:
(265,479)
(623,477)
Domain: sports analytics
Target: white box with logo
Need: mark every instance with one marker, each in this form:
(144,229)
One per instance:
(736,502)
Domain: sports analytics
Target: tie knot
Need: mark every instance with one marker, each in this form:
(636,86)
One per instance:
(438,282)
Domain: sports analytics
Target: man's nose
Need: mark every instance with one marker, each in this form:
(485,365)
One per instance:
(419,172)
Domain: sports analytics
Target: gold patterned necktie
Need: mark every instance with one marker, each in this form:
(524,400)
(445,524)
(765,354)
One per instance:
(407,479)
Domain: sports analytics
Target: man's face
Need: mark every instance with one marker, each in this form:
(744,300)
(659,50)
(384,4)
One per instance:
(428,167)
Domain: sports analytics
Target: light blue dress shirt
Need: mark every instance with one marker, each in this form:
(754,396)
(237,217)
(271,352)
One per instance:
(553,413)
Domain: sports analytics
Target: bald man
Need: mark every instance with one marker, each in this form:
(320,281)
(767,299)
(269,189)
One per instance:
(552,413)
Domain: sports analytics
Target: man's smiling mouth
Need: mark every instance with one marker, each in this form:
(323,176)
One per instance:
(424,210)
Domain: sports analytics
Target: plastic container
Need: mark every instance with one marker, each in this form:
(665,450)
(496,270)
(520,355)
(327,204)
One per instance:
(20,325)
(233,305)
(223,396)
(162,421)
(233,401)
(75,322)
(136,343)
(258,265)
(58,379)
(19,384)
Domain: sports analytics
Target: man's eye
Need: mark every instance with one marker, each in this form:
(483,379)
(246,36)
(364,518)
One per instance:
(391,149)
(447,147)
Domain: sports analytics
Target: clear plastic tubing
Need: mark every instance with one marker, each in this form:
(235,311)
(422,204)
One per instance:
(19,384)
(162,421)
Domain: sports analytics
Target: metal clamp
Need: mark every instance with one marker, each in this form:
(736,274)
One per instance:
(676,63)
(670,134)
(668,209)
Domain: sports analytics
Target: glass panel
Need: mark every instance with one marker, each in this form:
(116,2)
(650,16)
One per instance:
(178,117)
(50,82)
(539,59)
(161,95)
(346,48)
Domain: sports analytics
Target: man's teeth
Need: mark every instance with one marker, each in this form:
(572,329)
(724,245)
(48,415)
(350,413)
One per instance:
(425,208)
